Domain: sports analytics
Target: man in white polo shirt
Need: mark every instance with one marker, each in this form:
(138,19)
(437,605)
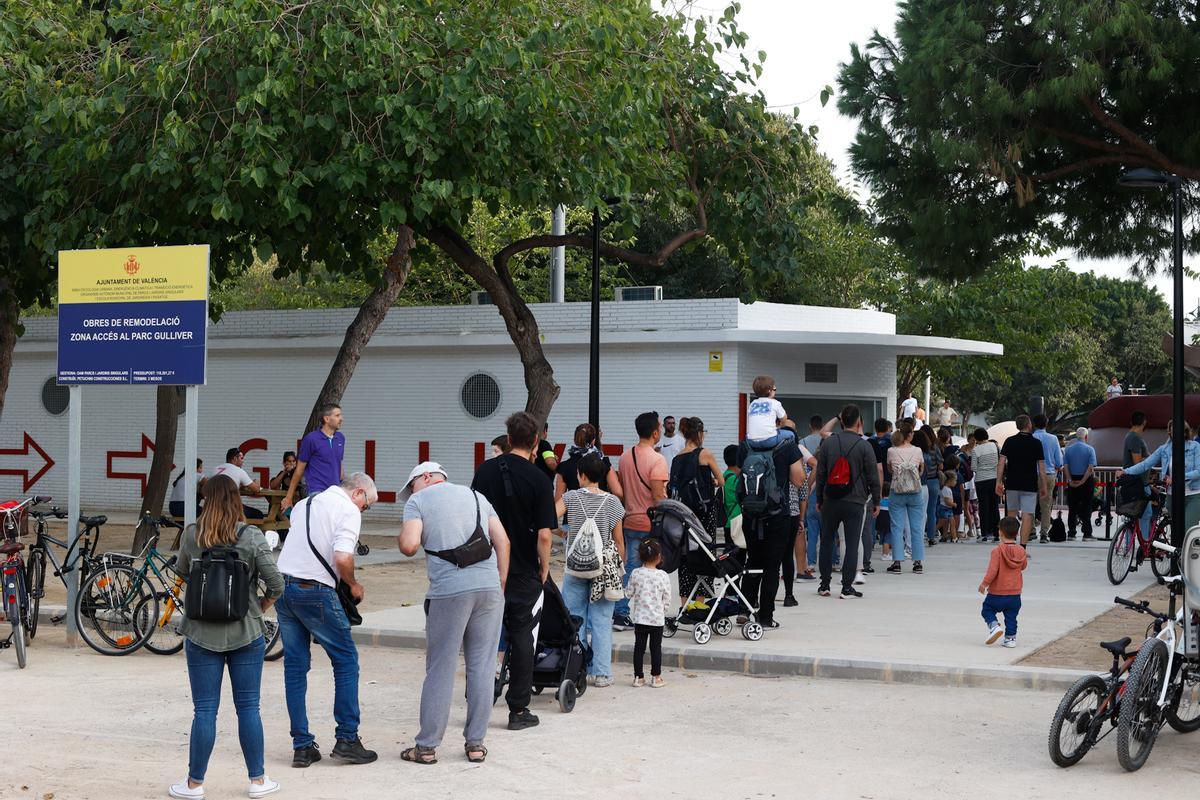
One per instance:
(324,535)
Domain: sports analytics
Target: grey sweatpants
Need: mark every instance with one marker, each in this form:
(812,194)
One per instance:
(470,621)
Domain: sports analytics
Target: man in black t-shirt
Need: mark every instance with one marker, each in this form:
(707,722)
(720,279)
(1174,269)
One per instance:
(524,500)
(1018,475)
(768,537)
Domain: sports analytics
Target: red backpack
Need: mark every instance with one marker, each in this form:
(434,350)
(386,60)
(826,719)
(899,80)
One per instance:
(839,483)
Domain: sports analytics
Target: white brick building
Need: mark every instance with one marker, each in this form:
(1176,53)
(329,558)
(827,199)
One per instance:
(679,357)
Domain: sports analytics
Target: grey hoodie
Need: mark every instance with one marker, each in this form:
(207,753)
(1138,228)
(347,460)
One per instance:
(864,473)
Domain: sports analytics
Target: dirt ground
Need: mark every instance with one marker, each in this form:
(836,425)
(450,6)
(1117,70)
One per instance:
(1080,648)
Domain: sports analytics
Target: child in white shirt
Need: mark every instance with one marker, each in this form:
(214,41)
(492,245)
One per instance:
(765,416)
(649,593)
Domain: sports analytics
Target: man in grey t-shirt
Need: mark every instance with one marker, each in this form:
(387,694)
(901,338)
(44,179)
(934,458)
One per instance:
(463,607)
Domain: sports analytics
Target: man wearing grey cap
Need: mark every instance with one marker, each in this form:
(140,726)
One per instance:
(466,560)
(1080,462)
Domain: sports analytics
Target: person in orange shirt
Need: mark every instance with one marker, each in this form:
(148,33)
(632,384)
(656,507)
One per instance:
(643,473)
(1003,582)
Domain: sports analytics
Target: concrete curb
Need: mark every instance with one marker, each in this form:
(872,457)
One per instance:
(779,665)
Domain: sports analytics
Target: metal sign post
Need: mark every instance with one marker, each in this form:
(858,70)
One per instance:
(190,425)
(74,449)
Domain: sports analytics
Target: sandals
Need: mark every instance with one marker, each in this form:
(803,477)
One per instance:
(419,755)
(480,753)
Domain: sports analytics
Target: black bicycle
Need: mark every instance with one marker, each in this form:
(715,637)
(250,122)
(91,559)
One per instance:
(80,556)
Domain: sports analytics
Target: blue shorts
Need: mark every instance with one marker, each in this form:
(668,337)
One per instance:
(944,512)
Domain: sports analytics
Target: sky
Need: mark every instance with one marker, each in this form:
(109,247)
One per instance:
(805,41)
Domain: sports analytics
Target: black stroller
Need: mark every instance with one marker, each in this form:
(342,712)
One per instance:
(685,540)
(560,659)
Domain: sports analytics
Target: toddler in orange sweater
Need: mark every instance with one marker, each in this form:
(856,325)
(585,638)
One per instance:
(1002,584)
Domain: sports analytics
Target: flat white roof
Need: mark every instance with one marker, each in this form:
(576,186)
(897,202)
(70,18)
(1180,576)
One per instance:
(714,321)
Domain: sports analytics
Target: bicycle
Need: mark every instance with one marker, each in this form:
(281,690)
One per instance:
(14,597)
(82,559)
(1163,685)
(1129,542)
(165,637)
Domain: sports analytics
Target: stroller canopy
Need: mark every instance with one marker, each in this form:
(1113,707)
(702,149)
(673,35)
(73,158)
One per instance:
(678,529)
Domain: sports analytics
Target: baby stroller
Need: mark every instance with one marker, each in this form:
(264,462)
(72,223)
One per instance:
(560,658)
(685,540)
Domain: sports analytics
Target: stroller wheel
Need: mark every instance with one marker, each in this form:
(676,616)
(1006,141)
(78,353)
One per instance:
(701,633)
(363,549)
(566,696)
(670,628)
(723,626)
(752,631)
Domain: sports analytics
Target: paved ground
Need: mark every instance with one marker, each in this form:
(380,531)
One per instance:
(117,728)
(932,618)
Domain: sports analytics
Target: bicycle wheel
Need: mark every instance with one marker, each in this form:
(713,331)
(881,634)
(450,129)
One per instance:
(274,641)
(1140,718)
(1120,553)
(107,610)
(1160,562)
(18,640)
(165,637)
(35,580)
(1071,731)
(1184,712)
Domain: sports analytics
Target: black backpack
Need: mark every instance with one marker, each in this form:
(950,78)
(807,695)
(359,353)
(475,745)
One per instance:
(758,490)
(218,586)
(688,487)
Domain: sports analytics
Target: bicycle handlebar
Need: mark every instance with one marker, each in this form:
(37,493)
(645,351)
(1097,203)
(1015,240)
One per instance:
(1142,608)
(38,499)
(1166,548)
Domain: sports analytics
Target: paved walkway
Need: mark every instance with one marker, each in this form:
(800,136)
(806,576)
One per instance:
(929,621)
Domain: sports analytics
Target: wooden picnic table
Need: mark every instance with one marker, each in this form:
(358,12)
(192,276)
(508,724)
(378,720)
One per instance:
(274,520)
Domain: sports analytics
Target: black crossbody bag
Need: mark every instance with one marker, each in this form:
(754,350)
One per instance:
(345,596)
(476,548)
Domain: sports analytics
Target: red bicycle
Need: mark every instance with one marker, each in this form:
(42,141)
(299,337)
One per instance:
(1130,544)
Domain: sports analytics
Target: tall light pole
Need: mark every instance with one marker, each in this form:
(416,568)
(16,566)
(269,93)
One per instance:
(594,356)
(1153,179)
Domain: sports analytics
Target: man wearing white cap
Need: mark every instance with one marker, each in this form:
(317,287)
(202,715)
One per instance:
(466,560)
(1080,461)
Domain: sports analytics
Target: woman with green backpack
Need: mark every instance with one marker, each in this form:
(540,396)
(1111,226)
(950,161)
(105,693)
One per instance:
(223,628)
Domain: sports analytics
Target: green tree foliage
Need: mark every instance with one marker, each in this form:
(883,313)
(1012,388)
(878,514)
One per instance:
(986,128)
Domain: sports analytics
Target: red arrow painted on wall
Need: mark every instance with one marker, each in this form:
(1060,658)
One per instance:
(141,477)
(23,450)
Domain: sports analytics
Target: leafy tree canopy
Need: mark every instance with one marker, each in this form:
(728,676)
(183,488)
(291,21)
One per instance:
(988,128)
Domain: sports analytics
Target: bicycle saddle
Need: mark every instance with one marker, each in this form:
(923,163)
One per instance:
(1117,647)
(8,548)
(94,522)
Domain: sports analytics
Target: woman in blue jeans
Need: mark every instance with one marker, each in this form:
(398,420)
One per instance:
(932,455)
(906,509)
(590,502)
(213,647)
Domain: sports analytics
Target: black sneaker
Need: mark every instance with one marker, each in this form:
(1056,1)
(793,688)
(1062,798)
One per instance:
(896,568)
(869,570)
(823,590)
(352,752)
(622,623)
(520,720)
(917,567)
(790,601)
(1089,538)
(305,756)
(849,592)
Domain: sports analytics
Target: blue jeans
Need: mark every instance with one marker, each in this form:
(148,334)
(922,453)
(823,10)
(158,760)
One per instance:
(205,669)
(597,622)
(1007,604)
(782,435)
(315,613)
(934,486)
(907,512)
(812,530)
(633,540)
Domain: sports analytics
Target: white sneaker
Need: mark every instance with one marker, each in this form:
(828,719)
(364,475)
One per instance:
(182,790)
(602,681)
(994,633)
(1010,641)
(267,787)
(860,579)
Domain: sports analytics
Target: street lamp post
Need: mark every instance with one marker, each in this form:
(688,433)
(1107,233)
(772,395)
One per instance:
(594,356)
(1153,179)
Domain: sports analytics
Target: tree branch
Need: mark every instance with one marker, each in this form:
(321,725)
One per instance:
(1152,153)
(1088,163)
(626,255)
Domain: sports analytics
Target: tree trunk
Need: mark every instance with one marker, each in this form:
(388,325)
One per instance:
(370,314)
(9,319)
(167,405)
